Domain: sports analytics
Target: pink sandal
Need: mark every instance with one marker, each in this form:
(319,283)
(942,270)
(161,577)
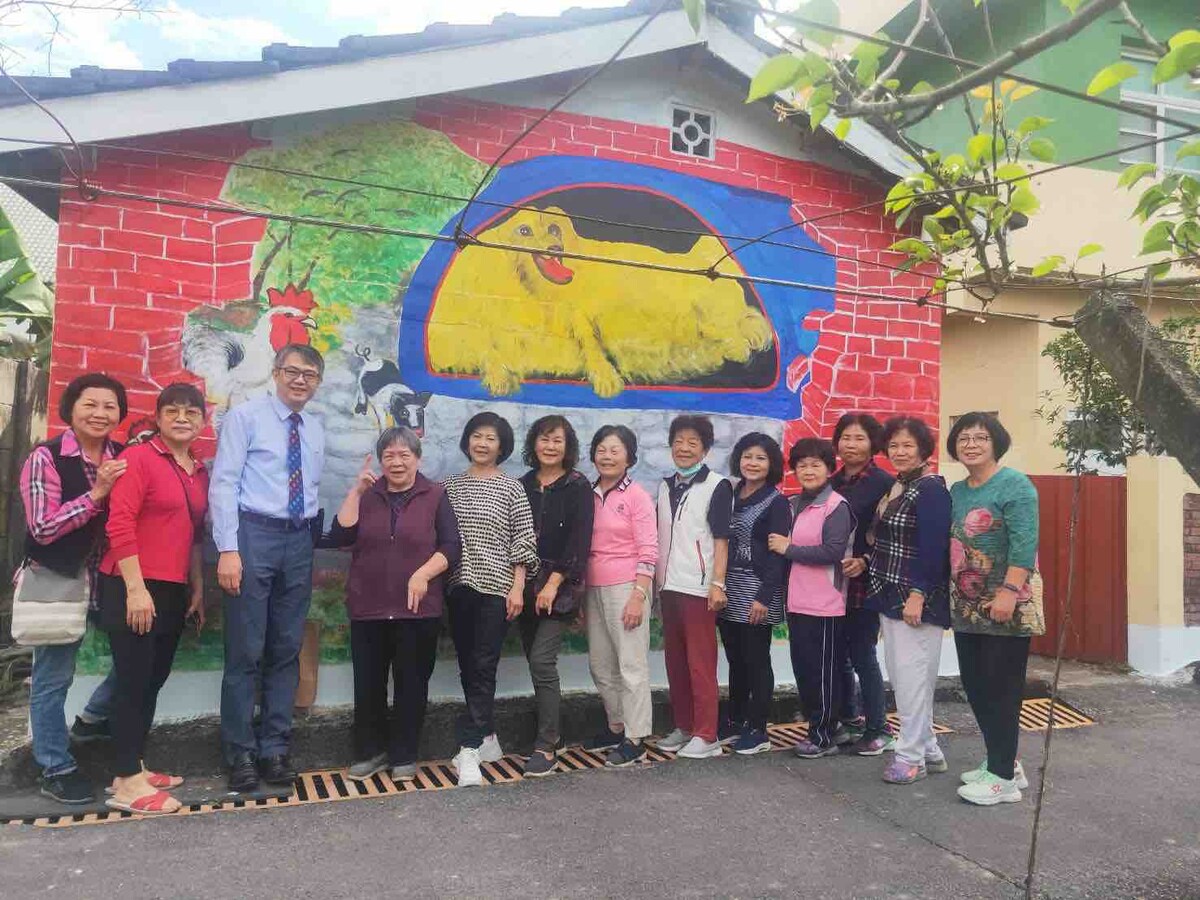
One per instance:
(148,805)
(162,781)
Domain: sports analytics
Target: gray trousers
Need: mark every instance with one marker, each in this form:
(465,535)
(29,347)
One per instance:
(619,660)
(912,655)
(541,636)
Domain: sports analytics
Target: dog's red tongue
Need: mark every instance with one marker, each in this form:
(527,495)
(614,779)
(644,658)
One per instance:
(552,267)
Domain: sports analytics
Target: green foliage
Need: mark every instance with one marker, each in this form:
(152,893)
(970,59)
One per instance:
(26,304)
(347,269)
(1110,76)
(1108,428)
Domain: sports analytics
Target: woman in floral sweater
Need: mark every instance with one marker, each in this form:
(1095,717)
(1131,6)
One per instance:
(993,559)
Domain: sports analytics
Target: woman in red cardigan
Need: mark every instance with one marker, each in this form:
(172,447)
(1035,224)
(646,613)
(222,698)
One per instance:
(150,583)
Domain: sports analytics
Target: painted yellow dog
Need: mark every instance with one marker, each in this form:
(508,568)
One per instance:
(509,316)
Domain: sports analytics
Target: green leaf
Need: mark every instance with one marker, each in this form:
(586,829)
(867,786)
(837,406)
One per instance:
(869,50)
(1183,38)
(695,13)
(932,227)
(817,114)
(1110,76)
(1136,173)
(866,71)
(1192,149)
(1088,250)
(1158,238)
(842,129)
(1043,149)
(1071,5)
(1047,265)
(1181,60)
(980,148)
(777,73)
(921,87)
(1022,92)
(898,197)
(824,12)
(1158,270)
(1032,124)
(1024,200)
(913,247)
(1010,170)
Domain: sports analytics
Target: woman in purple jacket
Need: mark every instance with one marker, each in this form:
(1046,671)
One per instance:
(404,537)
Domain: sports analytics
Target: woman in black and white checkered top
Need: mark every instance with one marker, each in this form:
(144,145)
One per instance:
(487,587)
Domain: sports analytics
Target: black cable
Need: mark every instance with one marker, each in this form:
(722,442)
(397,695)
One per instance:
(365,228)
(588,79)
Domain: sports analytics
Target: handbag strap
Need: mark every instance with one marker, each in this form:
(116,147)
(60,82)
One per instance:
(187,497)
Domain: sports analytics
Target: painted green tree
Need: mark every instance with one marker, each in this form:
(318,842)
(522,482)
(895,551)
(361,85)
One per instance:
(347,269)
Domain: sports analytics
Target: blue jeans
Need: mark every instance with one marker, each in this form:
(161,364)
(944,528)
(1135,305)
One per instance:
(264,628)
(862,640)
(53,672)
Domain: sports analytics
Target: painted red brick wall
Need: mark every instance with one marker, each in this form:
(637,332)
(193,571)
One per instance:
(129,271)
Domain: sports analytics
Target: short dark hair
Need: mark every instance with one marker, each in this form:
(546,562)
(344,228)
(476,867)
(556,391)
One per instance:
(624,434)
(488,419)
(180,394)
(768,445)
(702,425)
(866,422)
(1001,439)
(922,433)
(73,391)
(310,355)
(545,425)
(817,448)
(398,434)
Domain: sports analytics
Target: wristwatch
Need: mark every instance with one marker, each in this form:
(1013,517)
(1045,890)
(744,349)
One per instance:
(719,584)
(641,590)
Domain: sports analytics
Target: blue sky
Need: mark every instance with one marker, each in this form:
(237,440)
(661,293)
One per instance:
(225,29)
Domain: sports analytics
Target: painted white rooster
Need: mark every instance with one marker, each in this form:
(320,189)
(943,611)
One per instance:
(233,347)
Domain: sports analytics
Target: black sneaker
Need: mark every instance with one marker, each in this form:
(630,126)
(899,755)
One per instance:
(541,762)
(728,732)
(85,732)
(605,740)
(72,788)
(626,754)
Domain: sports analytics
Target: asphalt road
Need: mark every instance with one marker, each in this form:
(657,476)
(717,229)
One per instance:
(1121,821)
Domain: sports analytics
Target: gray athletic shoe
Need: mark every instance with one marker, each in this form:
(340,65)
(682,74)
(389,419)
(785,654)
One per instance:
(364,769)
(404,773)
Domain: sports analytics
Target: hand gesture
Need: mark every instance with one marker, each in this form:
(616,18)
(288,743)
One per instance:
(635,609)
(853,567)
(106,476)
(139,609)
(366,476)
(515,602)
(1001,608)
(758,613)
(716,598)
(778,543)
(545,600)
(913,607)
(418,587)
(229,572)
(196,606)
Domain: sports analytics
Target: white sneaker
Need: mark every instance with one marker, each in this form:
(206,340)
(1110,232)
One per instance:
(699,748)
(489,750)
(990,790)
(674,741)
(1018,775)
(467,763)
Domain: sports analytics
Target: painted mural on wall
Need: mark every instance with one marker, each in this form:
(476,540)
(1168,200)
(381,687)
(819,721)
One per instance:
(426,333)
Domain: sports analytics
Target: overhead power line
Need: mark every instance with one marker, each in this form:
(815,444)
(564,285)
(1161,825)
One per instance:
(368,228)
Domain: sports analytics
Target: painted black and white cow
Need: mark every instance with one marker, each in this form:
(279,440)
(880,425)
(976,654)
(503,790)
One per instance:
(384,395)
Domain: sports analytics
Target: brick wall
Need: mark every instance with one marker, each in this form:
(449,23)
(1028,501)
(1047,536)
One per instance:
(129,271)
(1191,560)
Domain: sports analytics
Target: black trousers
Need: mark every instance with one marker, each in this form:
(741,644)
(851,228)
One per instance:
(141,662)
(992,668)
(818,648)
(751,679)
(478,625)
(406,649)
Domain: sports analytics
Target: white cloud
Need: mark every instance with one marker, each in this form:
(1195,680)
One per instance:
(216,37)
(392,17)
(35,45)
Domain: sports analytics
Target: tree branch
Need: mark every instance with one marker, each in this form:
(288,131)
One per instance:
(936,22)
(922,18)
(1021,52)
(1142,31)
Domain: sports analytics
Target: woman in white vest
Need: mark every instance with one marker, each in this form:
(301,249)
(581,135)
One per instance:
(695,506)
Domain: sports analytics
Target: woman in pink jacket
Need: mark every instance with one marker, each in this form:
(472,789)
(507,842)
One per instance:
(620,571)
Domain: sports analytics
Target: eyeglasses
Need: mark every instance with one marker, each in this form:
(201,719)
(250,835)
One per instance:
(190,413)
(966,440)
(291,373)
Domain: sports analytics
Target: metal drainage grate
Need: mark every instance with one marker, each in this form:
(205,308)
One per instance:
(1035,715)
(332,785)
